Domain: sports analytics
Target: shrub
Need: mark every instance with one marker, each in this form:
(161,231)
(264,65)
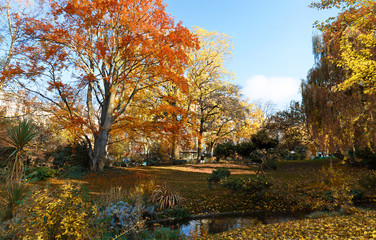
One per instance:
(39,173)
(368,182)
(257,185)
(74,172)
(143,188)
(363,156)
(224,150)
(162,233)
(339,184)
(72,155)
(114,195)
(245,149)
(159,153)
(65,216)
(270,164)
(176,212)
(123,215)
(218,174)
(165,197)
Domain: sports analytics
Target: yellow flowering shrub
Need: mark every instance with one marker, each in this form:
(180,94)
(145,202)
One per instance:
(64,216)
(339,186)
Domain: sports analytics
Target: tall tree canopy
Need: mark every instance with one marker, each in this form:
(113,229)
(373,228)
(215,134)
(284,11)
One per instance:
(96,56)
(12,29)
(215,106)
(339,94)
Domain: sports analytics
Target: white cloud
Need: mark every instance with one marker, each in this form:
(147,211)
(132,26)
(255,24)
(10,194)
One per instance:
(279,90)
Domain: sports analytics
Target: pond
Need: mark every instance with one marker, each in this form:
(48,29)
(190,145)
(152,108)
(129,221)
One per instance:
(197,228)
(208,226)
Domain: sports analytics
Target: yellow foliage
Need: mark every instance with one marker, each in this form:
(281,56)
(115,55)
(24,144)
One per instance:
(64,217)
(339,185)
(360,225)
(354,30)
(217,110)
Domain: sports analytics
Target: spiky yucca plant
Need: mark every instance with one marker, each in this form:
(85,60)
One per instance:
(12,196)
(18,137)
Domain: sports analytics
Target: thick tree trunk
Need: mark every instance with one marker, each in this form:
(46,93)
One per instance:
(101,139)
(100,151)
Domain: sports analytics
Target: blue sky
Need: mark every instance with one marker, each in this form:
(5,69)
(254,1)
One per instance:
(271,38)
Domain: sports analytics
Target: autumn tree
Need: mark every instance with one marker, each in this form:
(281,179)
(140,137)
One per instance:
(95,57)
(324,108)
(289,127)
(338,96)
(12,31)
(236,121)
(352,42)
(267,107)
(215,106)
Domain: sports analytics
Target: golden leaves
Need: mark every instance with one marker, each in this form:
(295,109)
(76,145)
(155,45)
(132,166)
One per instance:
(357,226)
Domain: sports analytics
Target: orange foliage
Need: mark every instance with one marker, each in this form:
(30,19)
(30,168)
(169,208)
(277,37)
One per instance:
(117,50)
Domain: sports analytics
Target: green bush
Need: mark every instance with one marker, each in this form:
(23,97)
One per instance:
(357,194)
(218,174)
(270,164)
(245,149)
(176,212)
(74,172)
(71,155)
(224,150)
(39,173)
(362,157)
(368,182)
(162,233)
(253,185)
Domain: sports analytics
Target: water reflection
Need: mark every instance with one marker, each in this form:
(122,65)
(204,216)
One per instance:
(203,227)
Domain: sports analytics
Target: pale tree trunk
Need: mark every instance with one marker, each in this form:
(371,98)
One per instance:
(177,150)
(99,152)
(101,139)
(211,146)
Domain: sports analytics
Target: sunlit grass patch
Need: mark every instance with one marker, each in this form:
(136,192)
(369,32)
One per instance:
(208,168)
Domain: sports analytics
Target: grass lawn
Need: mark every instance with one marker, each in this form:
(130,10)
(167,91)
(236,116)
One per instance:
(191,182)
(297,187)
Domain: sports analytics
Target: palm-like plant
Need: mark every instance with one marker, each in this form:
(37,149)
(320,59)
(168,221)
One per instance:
(12,196)
(18,137)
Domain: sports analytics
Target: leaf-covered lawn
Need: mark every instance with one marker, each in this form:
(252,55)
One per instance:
(296,188)
(361,225)
(291,182)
